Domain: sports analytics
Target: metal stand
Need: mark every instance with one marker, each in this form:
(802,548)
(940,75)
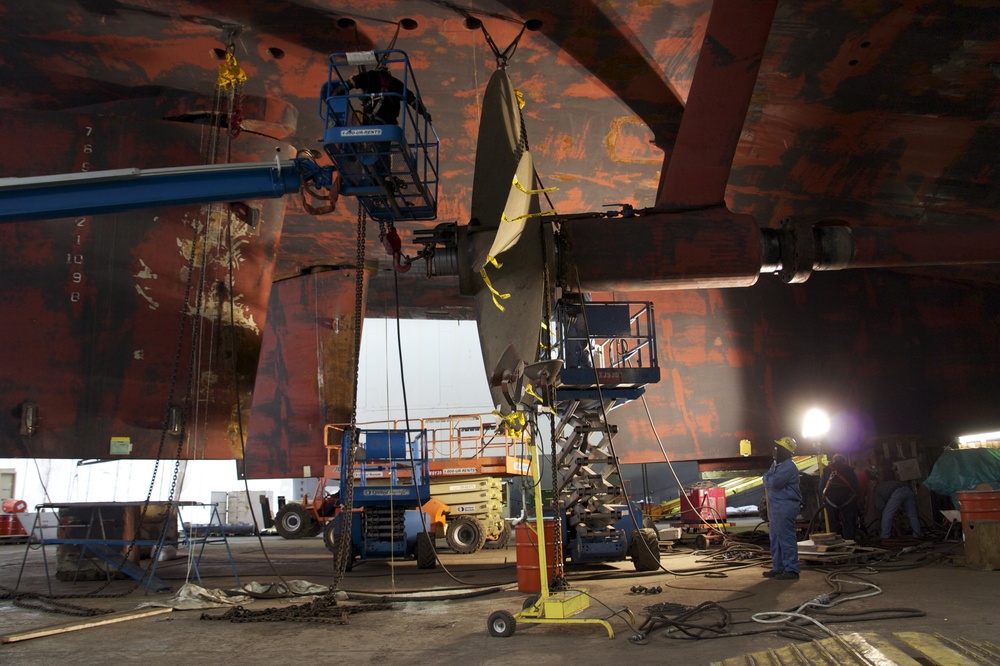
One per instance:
(549,607)
(94,543)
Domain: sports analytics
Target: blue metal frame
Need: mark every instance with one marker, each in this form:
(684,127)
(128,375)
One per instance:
(611,345)
(392,169)
(391,452)
(611,547)
(103,548)
(399,457)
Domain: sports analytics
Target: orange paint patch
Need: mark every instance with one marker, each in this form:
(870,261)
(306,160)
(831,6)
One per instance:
(629,141)
(588,90)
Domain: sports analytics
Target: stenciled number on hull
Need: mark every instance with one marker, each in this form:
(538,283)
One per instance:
(74,258)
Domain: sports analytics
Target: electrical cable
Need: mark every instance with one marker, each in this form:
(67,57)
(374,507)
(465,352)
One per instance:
(421,596)
(406,415)
(611,446)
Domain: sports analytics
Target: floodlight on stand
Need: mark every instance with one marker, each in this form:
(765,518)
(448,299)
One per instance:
(815,424)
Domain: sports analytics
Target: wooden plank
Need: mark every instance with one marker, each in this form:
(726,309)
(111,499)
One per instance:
(885,650)
(816,655)
(841,651)
(810,546)
(970,649)
(934,650)
(86,623)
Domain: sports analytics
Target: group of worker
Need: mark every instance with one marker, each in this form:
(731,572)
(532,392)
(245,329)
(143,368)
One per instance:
(842,497)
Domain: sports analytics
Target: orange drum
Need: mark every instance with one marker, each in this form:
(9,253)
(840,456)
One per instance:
(14,506)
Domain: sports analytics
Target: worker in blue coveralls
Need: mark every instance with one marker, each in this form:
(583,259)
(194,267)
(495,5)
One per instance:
(784,499)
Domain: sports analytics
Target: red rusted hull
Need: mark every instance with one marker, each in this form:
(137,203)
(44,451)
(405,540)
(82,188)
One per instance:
(306,374)
(104,329)
(883,353)
(879,115)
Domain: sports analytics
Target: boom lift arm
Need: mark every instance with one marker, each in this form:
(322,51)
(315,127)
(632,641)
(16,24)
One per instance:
(97,192)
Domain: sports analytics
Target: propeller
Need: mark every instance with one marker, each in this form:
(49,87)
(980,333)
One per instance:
(508,296)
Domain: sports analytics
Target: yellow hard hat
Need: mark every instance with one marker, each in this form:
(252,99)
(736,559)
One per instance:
(787,443)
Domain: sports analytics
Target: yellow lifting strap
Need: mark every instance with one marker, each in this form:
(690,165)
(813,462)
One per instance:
(542,345)
(489,285)
(516,183)
(230,73)
(530,390)
(503,216)
(515,422)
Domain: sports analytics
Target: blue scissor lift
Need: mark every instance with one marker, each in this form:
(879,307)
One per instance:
(391,169)
(609,354)
(391,482)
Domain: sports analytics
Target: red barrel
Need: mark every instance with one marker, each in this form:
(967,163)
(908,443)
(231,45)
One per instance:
(6,524)
(16,526)
(14,506)
(529,578)
(979,505)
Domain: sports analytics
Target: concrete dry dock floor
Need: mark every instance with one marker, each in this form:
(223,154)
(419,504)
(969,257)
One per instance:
(960,603)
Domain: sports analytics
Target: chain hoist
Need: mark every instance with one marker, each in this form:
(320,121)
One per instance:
(393,245)
(344,552)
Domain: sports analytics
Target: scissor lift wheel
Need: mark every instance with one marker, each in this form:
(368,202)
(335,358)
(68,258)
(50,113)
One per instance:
(501,624)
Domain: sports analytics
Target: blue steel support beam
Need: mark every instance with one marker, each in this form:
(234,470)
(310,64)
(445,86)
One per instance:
(76,194)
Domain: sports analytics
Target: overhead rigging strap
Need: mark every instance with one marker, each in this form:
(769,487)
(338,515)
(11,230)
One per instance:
(505,55)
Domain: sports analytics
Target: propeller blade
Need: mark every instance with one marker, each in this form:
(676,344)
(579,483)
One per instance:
(515,211)
(515,320)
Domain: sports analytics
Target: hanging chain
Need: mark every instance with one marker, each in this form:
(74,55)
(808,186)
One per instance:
(325,609)
(342,542)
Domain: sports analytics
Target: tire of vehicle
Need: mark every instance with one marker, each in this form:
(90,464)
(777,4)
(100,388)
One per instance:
(465,535)
(501,541)
(315,527)
(530,600)
(330,541)
(292,521)
(501,624)
(426,557)
(645,550)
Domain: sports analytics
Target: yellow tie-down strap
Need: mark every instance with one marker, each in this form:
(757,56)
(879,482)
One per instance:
(515,422)
(516,183)
(489,284)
